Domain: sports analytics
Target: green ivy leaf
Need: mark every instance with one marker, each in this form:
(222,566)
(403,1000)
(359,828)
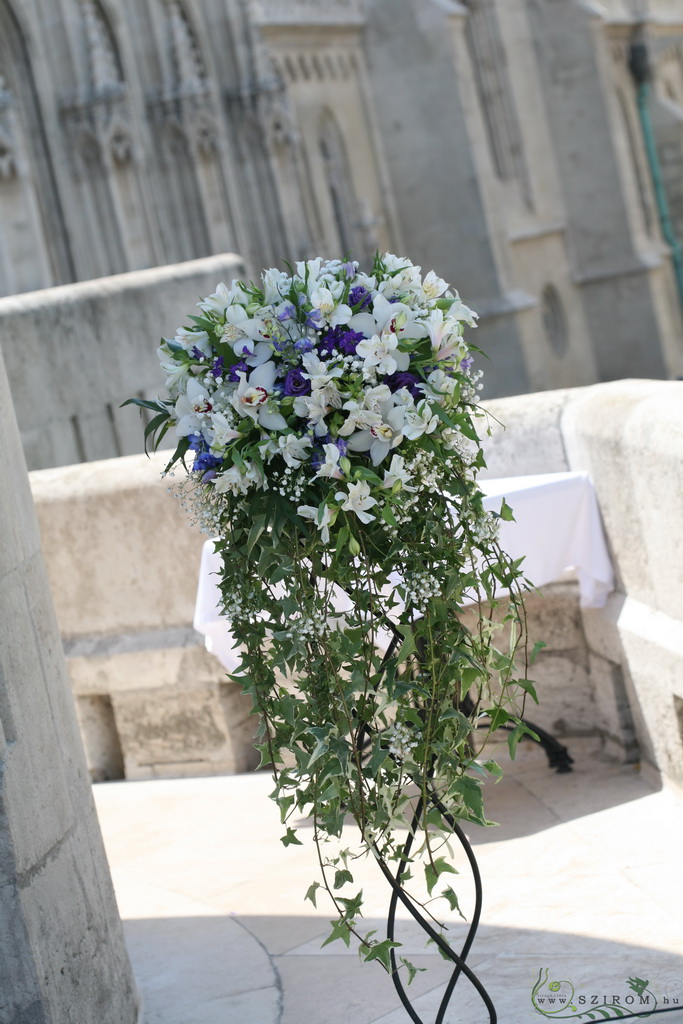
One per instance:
(290,839)
(311,892)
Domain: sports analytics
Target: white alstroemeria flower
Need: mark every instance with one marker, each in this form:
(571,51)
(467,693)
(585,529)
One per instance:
(190,339)
(440,384)
(365,414)
(254,394)
(388,316)
(433,286)
(444,333)
(176,373)
(313,268)
(322,522)
(419,421)
(191,409)
(330,467)
(322,379)
(238,480)
(223,297)
(332,312)
(381,437)
(222,431)
(246,336)
(358,500)
(462,312)
(396,472)
(275,284)
(314,409)
(293,449)
(382,353)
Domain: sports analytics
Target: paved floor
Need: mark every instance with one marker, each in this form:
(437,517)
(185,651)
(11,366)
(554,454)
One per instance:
(583,877)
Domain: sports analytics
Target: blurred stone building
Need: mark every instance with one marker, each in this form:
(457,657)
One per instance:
(498,141)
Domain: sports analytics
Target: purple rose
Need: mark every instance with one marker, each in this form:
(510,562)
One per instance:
(404,379)
(359,296)
(296,383)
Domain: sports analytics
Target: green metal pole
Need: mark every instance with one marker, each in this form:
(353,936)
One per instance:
(643,93)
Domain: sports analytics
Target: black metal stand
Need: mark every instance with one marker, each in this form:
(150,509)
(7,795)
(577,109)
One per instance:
(398,893)
(558,756)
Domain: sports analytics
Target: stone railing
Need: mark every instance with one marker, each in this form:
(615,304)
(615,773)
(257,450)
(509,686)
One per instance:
(123,565)
(74,353)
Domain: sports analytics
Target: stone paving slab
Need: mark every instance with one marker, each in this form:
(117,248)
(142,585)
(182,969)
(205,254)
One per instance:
(582,877)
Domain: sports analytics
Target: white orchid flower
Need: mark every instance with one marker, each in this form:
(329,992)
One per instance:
(419,421)
(358,500)
(314,409)
(191,409)
(293,449)
(255,393)
(330,467)
(381,437)
(322,522)
(246,336)
(396,472)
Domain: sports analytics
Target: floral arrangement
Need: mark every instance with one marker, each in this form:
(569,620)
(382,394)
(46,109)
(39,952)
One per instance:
(326,425)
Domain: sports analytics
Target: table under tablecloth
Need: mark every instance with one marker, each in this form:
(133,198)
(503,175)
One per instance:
(557,529)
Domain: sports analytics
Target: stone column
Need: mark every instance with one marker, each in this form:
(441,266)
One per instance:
(62,955)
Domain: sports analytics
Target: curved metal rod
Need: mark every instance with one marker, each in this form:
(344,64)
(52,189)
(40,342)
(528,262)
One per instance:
(459,960)
(478,899)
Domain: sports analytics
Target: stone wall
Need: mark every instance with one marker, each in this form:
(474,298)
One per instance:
(62,956)
(74,353)
(123,563)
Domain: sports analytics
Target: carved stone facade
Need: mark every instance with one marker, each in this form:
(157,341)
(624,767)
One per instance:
(498,141)
(138,134)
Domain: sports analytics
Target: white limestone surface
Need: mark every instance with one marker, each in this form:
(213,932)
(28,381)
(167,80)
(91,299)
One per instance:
(581,877)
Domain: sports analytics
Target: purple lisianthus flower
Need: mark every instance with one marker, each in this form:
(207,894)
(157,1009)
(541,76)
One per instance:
(296,383)
(339,339)
(404,379)
(217,367)
(236,368)
(359,296)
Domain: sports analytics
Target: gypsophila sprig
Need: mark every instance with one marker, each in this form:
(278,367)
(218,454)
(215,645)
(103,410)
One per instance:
(325,420)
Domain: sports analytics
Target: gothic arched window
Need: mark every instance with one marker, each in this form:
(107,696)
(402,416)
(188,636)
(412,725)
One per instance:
(339,184)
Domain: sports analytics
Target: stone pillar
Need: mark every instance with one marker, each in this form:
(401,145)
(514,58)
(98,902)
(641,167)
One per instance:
(62,955)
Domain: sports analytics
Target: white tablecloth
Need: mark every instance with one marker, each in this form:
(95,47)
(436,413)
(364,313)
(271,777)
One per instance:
(557,529)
